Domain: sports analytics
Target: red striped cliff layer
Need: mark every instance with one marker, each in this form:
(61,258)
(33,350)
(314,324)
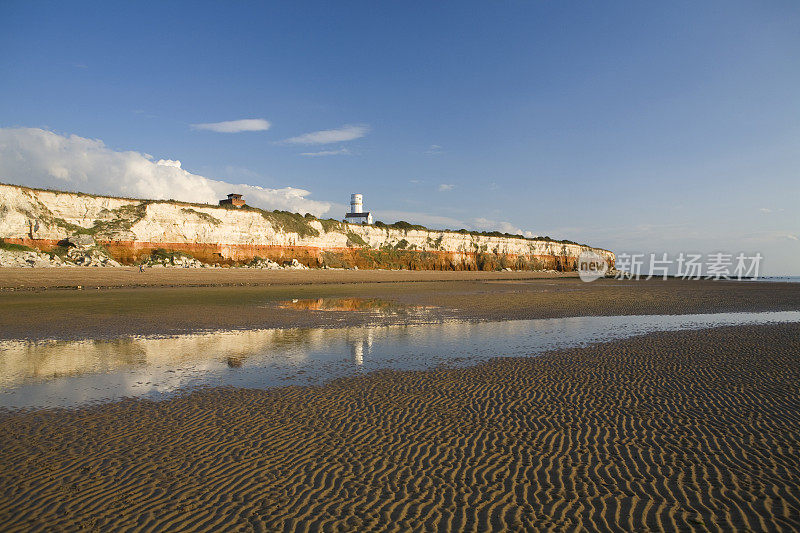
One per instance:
(131,230)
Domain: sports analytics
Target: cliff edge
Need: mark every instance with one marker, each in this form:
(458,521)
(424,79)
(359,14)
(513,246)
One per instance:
(131,231)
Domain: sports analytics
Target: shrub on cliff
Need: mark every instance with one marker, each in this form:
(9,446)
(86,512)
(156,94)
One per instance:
(403,225)
(353,239)
(330,224)
(290,223)
(13,247)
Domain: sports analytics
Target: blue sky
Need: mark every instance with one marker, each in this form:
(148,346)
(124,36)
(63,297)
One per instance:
(635,126)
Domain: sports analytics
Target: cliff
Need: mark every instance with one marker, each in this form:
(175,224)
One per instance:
(133,230)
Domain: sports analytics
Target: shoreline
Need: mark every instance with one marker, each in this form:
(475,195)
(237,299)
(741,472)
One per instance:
(63,278)
(131,311)
(631,434)
(14,279)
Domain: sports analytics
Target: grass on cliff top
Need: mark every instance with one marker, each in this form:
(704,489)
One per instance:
(331,224)
(202,216)
(403,225)
(285,221)
(291,222)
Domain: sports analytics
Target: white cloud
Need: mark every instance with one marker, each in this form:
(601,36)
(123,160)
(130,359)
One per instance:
(345,133)
(484,224)
(40,158)
(446,187)
(442,222)
(323,153)
(234,126)
(433,149)
(767,210)
(426,219)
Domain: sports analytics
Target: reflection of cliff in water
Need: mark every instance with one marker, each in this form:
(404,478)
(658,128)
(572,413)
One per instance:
(375,306)
(25,361)
(68,373)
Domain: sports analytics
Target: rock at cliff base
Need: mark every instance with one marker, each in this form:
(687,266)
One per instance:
(80,240)
(295,264)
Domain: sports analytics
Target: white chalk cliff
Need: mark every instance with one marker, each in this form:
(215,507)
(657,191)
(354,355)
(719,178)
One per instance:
(130,229)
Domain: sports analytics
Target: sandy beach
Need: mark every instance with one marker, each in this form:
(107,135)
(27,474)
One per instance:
(674,431)
(686,430)
(169,301)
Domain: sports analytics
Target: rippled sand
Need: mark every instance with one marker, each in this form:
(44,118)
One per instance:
(692,430)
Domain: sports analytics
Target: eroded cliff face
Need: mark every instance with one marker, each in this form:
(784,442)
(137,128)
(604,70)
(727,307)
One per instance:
(131,230)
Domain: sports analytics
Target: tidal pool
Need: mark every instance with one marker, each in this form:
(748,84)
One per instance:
(374,306)
(73,373)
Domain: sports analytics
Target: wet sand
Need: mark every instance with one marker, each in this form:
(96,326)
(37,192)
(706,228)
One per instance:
(90,277)
(242,299)
(674,431)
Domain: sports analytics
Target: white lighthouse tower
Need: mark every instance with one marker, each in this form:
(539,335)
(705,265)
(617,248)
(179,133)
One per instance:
(357,215)
(356,203)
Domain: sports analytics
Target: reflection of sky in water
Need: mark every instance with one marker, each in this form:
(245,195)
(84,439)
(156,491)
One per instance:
(68,373)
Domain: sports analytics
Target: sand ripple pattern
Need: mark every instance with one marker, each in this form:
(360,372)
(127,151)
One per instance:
(690,431)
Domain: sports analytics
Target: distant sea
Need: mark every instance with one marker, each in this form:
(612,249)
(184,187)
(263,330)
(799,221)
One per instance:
(780,279)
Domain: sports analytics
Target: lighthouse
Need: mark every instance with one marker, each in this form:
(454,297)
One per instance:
(357,215)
